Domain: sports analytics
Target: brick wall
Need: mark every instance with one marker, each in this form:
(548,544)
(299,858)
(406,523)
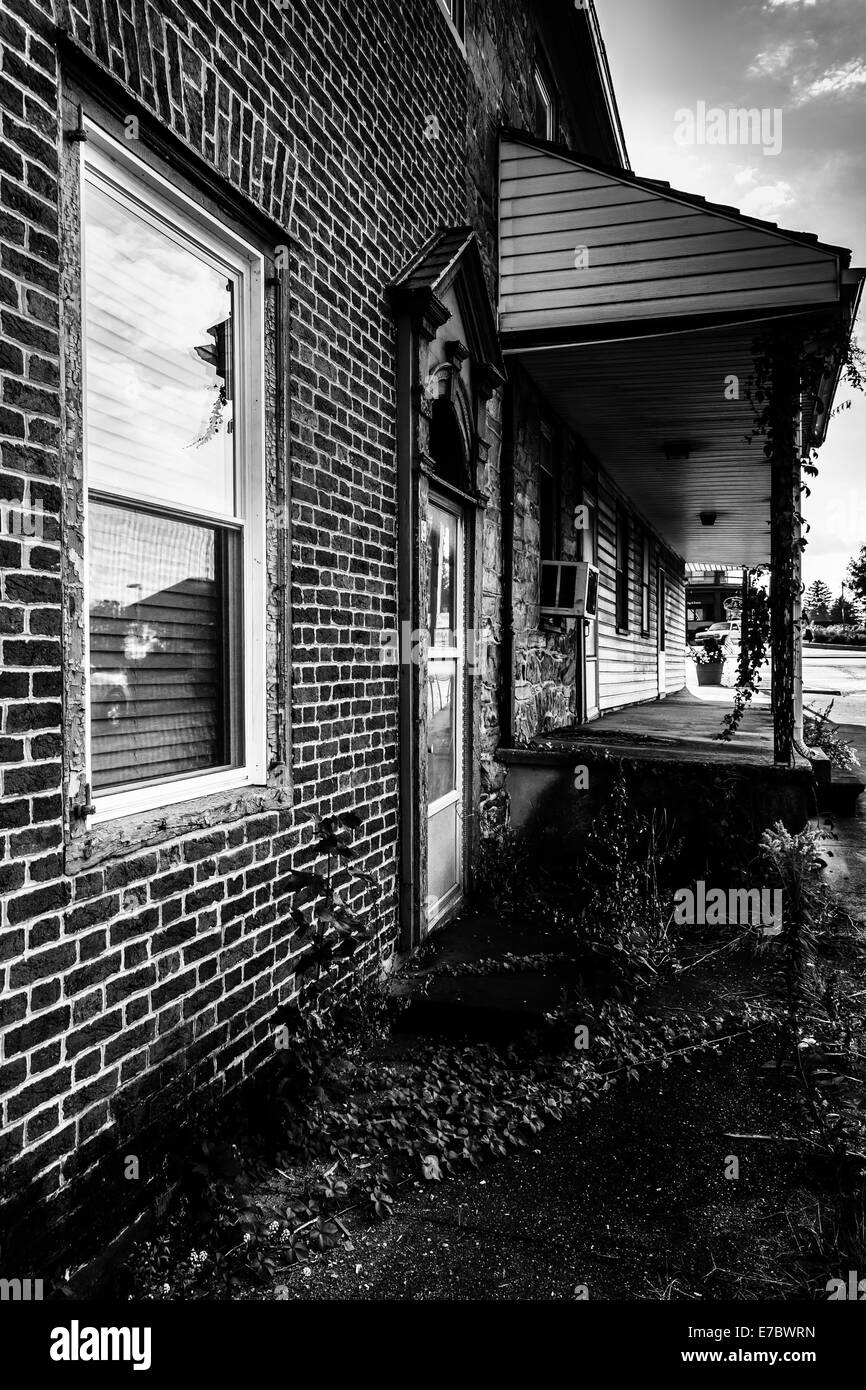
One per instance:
(142,983)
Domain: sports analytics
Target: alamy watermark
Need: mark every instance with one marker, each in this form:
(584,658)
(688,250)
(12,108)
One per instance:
(411,646)
(20,1290)
(854,1291)
(717,907)
(77,1343)
(19,520)
(737,126)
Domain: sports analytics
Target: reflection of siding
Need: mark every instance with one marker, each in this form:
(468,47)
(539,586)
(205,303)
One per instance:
(156,707)
(628,661)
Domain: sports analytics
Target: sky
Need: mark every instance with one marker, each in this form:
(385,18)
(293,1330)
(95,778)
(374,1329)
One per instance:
(807,60)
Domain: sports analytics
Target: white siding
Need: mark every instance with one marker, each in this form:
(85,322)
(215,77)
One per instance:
(628,661)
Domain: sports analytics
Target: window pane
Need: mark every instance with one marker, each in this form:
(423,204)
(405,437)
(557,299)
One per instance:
(159,646)
(442,542)
(543,109)
(159,356)
(441,684)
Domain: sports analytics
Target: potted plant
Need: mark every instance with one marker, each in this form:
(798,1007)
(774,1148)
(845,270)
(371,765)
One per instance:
(709,658)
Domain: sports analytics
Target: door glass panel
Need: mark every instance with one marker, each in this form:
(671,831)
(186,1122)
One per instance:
(442,556)
(442,763)
(443,848)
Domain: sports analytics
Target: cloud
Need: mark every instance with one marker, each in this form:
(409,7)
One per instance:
(790,4)
(768,200)
(745,176)
(837,81)
(774,61)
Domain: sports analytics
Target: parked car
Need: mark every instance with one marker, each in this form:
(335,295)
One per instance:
(718,632)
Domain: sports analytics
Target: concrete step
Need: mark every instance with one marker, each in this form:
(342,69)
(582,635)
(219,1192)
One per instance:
(496,1008)
(491,1005)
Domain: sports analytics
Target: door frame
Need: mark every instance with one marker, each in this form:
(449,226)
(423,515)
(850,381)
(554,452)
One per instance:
(447,347)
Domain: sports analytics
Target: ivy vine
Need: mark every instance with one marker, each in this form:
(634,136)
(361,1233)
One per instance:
(827,351)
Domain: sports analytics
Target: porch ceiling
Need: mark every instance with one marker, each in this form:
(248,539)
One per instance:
(631,401)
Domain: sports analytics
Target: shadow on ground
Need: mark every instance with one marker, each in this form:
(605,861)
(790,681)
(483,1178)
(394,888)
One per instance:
(629,1201)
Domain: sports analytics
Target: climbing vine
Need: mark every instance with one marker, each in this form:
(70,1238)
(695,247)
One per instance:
(755,642)
(827,352)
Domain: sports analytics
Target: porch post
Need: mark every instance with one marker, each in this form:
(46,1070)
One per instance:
(784,543)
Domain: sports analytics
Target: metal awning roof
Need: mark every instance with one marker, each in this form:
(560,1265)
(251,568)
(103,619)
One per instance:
(633,306)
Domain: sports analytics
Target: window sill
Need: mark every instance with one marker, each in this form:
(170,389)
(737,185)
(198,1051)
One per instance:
(111,839)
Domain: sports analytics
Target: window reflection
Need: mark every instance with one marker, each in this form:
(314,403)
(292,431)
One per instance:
(442,544)
(159,343)
(157,646)
(441,684)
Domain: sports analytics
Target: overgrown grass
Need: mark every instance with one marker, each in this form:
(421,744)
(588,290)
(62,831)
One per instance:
(345,1119)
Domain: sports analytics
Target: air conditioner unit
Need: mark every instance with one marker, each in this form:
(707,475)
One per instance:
(569,588)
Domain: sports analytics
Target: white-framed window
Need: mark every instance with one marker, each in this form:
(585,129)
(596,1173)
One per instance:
(455,13)
(173,349)
(543,123)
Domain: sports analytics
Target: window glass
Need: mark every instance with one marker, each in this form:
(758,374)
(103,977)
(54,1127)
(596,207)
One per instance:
(441,751)
(158,336)
(543,118)
(166,578)
(158,652)
(456,12)
(442,542)
(622,544)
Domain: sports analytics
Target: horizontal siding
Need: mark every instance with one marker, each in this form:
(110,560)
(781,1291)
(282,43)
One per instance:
(648,254)
(628,661)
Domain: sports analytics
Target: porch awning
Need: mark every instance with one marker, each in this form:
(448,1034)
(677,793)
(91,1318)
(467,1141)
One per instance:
(634,307)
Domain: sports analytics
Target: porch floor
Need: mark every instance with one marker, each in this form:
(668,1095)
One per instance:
(682,727)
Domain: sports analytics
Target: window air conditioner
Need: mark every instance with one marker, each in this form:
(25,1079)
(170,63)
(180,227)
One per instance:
(569,588)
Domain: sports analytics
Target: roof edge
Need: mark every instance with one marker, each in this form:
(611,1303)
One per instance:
(665,190)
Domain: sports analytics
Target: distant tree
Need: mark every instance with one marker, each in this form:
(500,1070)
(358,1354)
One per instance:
(816,603)
(817,596)
(857,573)
(842,611)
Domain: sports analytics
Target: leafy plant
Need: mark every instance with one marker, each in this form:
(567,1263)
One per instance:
(754,645)
(819,732)
(709,653)
(336,928)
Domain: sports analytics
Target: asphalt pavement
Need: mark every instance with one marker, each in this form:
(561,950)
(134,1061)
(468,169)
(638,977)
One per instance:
(839,674)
